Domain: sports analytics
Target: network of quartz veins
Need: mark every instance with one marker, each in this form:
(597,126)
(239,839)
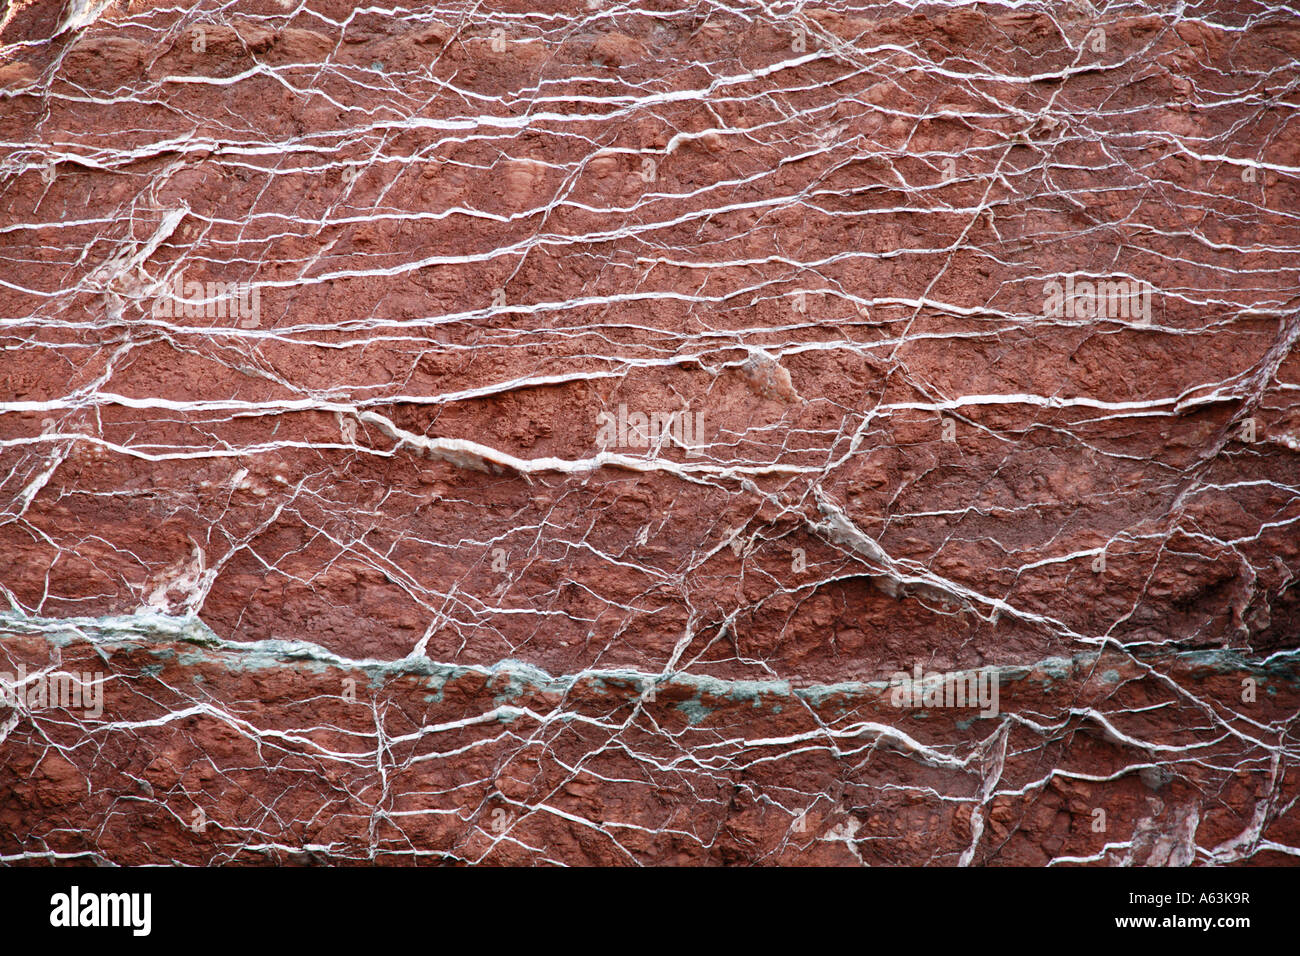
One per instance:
(981,320)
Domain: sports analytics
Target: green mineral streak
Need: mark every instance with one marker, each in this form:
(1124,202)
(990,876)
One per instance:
(1282,666)
(1053,669)
(819,694)
(194,643)
(694,710)
(630,684)
(511,679)
(438,684)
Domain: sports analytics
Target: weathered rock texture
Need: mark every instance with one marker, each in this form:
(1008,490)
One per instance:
(363,573)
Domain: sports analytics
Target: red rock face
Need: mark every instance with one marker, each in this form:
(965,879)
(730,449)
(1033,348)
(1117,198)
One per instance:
(583,433)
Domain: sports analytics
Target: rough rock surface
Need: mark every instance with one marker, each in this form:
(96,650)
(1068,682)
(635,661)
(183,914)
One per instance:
(339,350)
